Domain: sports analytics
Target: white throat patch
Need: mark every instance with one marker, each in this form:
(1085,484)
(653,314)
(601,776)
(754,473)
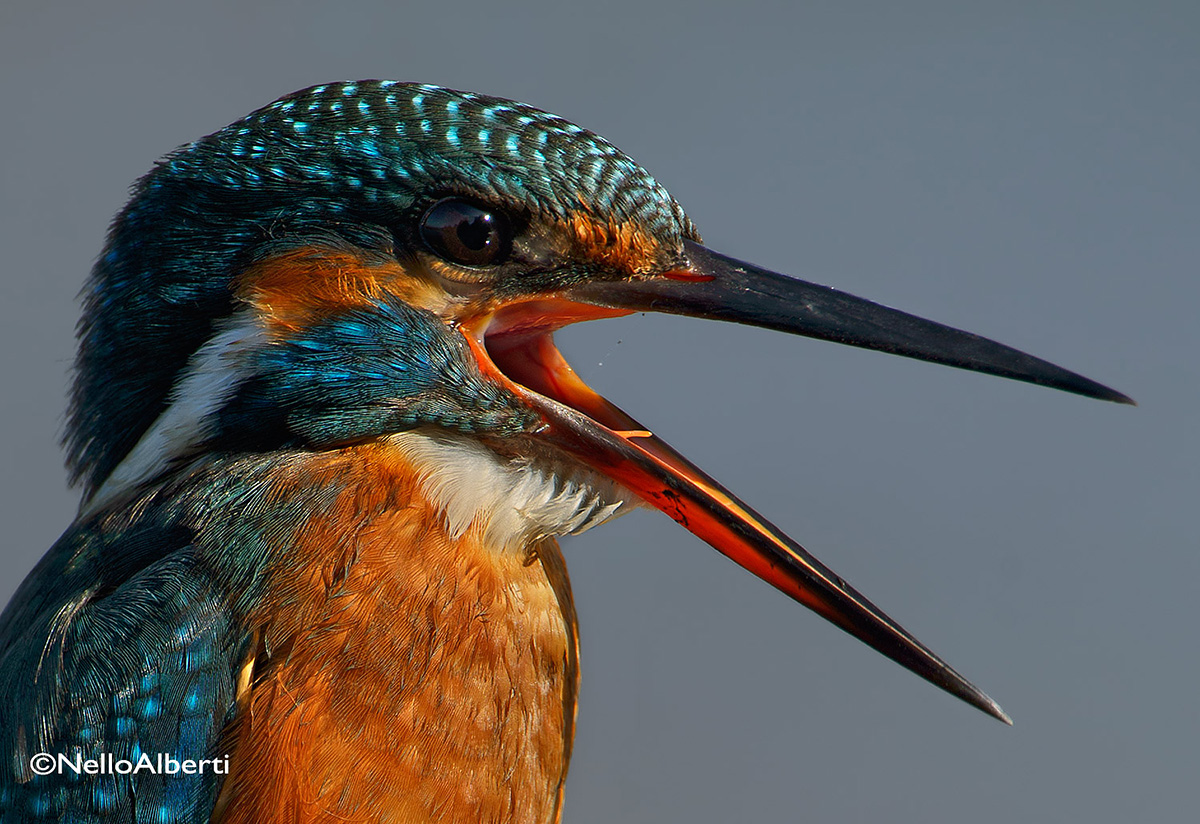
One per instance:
(516,500)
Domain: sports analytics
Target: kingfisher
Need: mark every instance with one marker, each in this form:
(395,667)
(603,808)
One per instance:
(326,447)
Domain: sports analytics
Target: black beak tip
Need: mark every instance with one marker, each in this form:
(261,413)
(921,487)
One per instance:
(1078,385)
(993,709)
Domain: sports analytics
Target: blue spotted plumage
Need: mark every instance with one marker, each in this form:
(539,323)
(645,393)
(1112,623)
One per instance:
(199,218)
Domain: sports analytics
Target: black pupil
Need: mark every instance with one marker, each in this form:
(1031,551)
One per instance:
(477,233)
(464,233)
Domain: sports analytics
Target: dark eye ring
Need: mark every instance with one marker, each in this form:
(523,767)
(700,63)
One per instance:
(461,232)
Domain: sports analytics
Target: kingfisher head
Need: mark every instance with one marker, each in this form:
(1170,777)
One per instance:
(359,260)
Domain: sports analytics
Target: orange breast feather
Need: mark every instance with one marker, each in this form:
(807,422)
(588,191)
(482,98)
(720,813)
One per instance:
(402,676)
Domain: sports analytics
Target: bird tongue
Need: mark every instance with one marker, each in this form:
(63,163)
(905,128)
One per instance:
(596,432)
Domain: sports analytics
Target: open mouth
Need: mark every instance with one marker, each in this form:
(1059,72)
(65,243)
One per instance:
(519,344)
(580,422)
(514,345)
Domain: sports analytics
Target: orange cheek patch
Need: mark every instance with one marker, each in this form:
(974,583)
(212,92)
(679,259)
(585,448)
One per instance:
(302,286)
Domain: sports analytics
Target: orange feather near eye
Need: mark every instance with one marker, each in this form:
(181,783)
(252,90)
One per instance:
(302,286)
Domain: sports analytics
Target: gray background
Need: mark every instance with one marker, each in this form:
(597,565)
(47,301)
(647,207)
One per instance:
(1026,171)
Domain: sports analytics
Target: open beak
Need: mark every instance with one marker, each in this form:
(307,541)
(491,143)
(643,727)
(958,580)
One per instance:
(515,346)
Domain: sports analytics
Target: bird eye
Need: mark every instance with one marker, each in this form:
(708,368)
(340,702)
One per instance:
(462,232)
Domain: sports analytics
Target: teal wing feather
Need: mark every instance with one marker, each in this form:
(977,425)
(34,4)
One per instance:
(116,646)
